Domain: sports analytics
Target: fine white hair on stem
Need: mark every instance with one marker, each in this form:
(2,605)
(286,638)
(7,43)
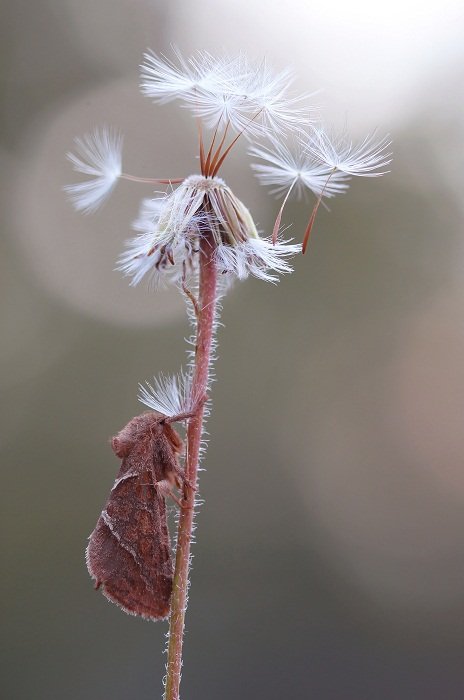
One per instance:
(98,154)
(287,164)
(258,257)
(169,395)
(223,285)
(369,158)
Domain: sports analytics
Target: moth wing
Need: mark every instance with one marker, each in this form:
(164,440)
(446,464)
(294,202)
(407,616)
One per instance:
(129,552)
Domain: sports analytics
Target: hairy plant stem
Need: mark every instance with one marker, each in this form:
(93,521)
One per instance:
(204,338)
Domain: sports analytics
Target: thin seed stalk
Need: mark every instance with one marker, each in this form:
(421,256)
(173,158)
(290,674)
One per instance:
(204,338)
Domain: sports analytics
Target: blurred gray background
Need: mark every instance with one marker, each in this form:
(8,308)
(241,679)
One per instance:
(330,553)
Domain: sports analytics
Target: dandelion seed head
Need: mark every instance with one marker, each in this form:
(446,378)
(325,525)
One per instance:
(170,227)
(293,156)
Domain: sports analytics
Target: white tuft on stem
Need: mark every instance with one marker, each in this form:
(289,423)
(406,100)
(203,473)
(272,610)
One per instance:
(170,395)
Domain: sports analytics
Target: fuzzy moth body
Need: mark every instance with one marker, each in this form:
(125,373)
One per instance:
(129,552)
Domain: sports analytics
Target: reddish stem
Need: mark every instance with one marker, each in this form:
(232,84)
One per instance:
(202,147)
(153,181)
(312,219)
(205,331)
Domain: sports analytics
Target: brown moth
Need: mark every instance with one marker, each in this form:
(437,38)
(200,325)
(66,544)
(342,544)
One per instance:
(129,552)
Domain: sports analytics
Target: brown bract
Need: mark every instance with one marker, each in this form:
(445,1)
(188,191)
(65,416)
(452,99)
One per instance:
(129,552)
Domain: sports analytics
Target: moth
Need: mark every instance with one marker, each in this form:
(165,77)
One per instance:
(129,552)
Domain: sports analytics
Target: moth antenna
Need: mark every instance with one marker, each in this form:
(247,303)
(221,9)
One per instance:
(188,414)
(179,418)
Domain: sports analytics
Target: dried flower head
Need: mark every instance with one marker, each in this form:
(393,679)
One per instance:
(226,95)
(172,225)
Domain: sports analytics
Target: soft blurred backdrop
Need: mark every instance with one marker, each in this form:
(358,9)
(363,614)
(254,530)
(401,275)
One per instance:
(330,553)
